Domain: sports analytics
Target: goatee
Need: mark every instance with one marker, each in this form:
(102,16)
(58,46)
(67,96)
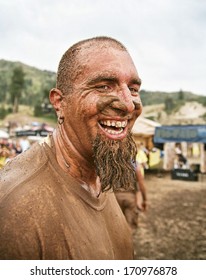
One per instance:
(113,160)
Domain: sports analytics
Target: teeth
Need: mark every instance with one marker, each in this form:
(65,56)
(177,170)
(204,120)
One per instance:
(113,132)
(124,123)
(118,124)
(113,123)
(108,123)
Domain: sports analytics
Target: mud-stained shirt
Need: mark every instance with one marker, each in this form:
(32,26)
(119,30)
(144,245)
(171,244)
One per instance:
(46,214)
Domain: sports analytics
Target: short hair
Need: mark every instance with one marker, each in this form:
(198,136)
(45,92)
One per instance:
(69,68)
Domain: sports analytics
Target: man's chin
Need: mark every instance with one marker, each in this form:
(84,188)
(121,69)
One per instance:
(112,158)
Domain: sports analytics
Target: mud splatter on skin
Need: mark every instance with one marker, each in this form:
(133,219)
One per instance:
(106,101)
(109,103)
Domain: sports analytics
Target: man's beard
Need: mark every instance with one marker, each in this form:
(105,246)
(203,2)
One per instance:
(113,160)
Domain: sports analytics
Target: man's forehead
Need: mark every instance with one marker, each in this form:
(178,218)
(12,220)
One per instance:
(98,50)
(100,63)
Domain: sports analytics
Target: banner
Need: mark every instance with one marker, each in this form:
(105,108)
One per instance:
(180,133)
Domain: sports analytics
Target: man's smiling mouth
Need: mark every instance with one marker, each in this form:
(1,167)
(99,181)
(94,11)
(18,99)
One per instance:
(113,127)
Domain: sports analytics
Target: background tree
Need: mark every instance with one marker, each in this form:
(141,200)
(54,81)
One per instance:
(169,105)
(16,87)
(181,95)
(3,87)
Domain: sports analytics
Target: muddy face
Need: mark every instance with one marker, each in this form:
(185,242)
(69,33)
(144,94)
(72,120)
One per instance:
(99,114)
(105,100)
(115,123)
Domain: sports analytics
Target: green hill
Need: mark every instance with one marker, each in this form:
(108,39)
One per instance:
(158,97)
(36,82)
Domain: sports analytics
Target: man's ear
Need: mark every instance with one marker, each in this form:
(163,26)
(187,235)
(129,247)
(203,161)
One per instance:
(55,97)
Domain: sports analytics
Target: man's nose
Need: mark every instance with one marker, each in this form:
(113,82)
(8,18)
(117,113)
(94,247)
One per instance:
(127,100)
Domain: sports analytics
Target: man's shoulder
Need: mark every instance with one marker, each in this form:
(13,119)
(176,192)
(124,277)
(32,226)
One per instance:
(22,168)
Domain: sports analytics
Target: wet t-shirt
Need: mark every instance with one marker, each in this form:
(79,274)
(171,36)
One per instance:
(46,214)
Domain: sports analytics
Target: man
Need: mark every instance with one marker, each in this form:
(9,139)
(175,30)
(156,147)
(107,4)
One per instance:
(131,202)
(56,198)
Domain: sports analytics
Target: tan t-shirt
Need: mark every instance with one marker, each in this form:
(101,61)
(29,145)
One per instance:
(46,214)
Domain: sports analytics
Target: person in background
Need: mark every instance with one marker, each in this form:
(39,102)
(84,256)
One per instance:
(4,154)
(142,156)
(180,160)
(131,202)
(56,198)
(12,154)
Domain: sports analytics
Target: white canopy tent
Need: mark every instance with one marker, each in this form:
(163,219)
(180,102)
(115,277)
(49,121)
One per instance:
(144,130)
(144,126)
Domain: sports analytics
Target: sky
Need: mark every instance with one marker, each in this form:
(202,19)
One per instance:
(166,38)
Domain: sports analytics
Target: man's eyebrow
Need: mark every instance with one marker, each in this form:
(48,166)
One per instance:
(137,81)
(102,78)
(112,79)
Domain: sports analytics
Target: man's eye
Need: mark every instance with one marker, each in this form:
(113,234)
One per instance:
(134,91)
(103,88)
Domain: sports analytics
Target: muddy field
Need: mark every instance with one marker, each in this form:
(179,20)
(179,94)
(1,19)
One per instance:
(174,227)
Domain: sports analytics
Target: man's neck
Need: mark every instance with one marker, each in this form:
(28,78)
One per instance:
(73,163)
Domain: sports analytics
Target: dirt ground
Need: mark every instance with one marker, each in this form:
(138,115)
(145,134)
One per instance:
(174,226)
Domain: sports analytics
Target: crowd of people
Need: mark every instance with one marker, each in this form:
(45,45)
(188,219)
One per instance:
(10,148)
(17,142)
